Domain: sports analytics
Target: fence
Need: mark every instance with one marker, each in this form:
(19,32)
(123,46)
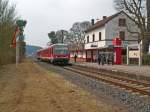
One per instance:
(145,60)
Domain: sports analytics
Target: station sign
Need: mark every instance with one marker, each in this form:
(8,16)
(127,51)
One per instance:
(134,54)
(94,45)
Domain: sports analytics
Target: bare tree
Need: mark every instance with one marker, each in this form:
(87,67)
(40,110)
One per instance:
(77,33)
(8,16)
(62,36)
(148,15)
(136,9)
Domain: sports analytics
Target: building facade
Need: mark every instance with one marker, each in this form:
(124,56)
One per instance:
(99,36)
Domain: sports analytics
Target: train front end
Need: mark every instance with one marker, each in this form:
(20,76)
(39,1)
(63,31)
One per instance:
(61,54)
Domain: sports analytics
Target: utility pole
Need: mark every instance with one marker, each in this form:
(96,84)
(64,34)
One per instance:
(17,51)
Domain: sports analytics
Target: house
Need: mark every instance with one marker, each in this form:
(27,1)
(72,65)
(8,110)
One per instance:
(99,36)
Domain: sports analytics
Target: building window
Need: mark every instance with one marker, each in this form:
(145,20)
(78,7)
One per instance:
(122,22)
(87,39)
(100,36)
(93,37)
(122,35)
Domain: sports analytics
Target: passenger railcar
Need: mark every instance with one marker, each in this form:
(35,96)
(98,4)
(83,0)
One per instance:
(56,53)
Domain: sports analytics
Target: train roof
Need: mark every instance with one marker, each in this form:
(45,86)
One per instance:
(39,50)
(58,44)
(51,46)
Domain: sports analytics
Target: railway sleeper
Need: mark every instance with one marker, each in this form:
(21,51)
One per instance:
(113,76)
(111,81)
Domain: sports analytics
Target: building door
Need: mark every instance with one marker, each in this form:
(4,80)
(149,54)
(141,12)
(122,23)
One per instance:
(92,59)
(88,56)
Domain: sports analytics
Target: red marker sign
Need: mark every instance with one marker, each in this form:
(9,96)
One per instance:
(16,33)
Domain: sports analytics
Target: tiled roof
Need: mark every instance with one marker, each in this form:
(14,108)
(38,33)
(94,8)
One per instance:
(103,22)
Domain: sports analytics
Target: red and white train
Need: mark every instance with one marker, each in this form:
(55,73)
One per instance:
(56,53)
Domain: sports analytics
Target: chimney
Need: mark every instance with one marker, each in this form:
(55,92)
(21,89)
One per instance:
(92,22)
(104,17)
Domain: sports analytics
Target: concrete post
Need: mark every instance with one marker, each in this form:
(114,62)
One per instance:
(17,53)
(140,51)
(127,55)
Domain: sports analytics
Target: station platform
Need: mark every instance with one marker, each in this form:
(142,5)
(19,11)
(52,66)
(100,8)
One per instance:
(135,70)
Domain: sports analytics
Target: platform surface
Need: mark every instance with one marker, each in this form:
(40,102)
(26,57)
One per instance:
(131,69)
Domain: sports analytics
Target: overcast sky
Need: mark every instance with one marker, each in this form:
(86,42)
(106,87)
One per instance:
(44,16)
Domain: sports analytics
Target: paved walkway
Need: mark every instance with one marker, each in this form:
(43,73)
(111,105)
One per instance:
(132,69)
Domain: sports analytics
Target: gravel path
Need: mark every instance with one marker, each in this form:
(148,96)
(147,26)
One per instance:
(87,84)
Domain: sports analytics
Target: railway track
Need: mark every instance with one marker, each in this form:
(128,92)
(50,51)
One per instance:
(133,86)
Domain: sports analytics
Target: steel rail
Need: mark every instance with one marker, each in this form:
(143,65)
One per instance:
(112,76)
(108,80)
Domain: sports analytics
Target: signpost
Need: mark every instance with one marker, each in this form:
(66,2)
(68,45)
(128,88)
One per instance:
(134,53)
(18,35)
(17,52)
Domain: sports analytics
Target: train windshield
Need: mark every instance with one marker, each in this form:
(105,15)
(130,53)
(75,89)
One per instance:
(61,50)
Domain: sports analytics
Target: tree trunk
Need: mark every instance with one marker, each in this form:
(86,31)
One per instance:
(148,15)
(146,40)
(145,44)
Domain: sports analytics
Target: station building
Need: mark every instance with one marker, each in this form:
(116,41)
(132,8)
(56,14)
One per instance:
(99,36)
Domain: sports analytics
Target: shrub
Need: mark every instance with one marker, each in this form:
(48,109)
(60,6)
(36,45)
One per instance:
(146,59)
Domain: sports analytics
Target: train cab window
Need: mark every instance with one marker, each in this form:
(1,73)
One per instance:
(61,50)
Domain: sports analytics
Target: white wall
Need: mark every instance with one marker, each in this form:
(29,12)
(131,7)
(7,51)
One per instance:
(81,54)
(88,54)
(71,54)
(84,54)
(98,43)
(110,31)
(113,29)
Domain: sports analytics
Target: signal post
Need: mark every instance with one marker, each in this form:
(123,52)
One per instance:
(18,38)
